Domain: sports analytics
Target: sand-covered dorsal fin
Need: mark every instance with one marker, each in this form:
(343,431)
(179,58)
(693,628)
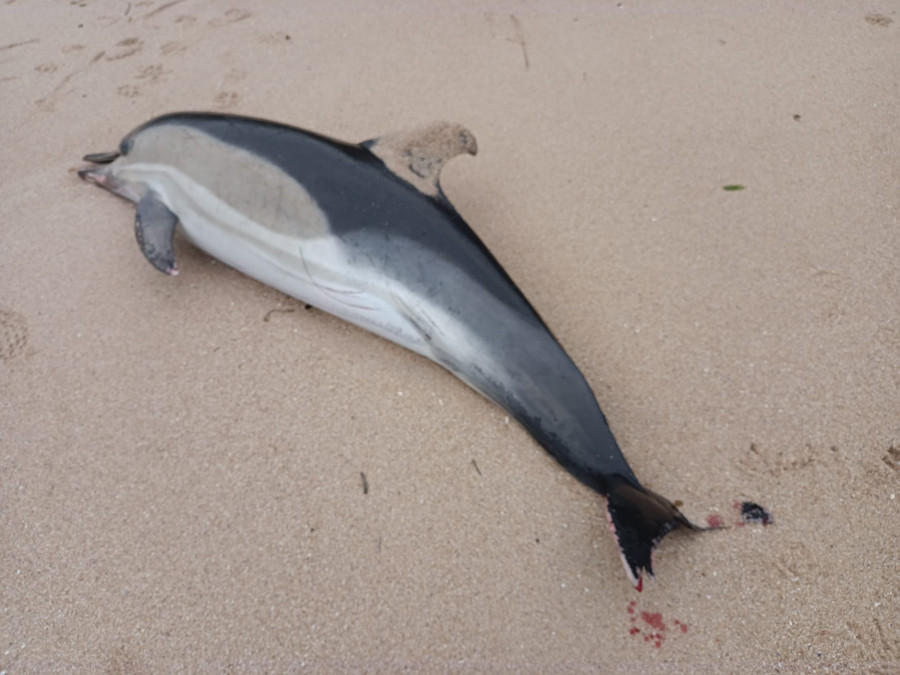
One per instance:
(417,156)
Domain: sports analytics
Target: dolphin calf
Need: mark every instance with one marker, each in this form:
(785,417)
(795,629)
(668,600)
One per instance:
(364,231)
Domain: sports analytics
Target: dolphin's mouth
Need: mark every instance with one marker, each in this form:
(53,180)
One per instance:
(92,174)
(105,177)
(96,174)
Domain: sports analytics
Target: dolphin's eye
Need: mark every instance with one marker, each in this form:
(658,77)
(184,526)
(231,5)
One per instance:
(125,145)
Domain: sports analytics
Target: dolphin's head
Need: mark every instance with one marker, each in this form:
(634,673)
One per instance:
(104,174)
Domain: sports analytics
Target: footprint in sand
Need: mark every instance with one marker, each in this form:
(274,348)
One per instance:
(13,334)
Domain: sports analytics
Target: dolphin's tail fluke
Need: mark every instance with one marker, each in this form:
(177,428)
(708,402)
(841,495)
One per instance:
(639,520)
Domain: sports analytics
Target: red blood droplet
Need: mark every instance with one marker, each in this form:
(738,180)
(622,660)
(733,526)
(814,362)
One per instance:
(631,609)
(683,628)
(654,619)
(634,630)
(715,520)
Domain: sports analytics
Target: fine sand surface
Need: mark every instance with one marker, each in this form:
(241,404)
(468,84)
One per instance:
(183,460)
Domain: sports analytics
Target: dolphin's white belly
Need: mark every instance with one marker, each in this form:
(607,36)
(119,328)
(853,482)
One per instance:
(315,270)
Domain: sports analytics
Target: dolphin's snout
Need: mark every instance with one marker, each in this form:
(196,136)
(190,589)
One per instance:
(92,175)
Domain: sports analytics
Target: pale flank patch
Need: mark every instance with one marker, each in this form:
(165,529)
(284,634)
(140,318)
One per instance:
(256,188)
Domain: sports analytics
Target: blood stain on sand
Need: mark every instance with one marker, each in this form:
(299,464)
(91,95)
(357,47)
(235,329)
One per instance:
(749,513)
(653,627)
(715,521)
(655,620)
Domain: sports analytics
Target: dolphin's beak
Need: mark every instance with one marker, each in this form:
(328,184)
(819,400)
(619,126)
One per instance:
(106,178)
(93,174)
(102,157)
(97,174)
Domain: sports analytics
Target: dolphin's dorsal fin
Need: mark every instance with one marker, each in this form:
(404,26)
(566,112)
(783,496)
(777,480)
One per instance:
(417,156)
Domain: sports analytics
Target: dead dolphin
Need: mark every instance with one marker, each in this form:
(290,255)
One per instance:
(363,231)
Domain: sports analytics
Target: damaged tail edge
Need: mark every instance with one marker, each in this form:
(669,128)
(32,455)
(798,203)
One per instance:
(639,519)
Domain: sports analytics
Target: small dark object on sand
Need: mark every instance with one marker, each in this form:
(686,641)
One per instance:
(754,513)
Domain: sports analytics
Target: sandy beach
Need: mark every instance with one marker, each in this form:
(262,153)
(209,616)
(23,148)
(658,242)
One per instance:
(198,474)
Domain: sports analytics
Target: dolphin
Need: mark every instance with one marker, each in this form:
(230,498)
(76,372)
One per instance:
(364,232)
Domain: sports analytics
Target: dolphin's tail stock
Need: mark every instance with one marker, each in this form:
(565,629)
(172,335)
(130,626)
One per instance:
(639,520)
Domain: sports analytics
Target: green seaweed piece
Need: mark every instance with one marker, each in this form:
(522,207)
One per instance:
(733,188)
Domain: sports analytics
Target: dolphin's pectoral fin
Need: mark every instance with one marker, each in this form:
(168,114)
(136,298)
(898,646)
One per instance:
(418,156)
(155,230)
(639,520)
(102,157)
